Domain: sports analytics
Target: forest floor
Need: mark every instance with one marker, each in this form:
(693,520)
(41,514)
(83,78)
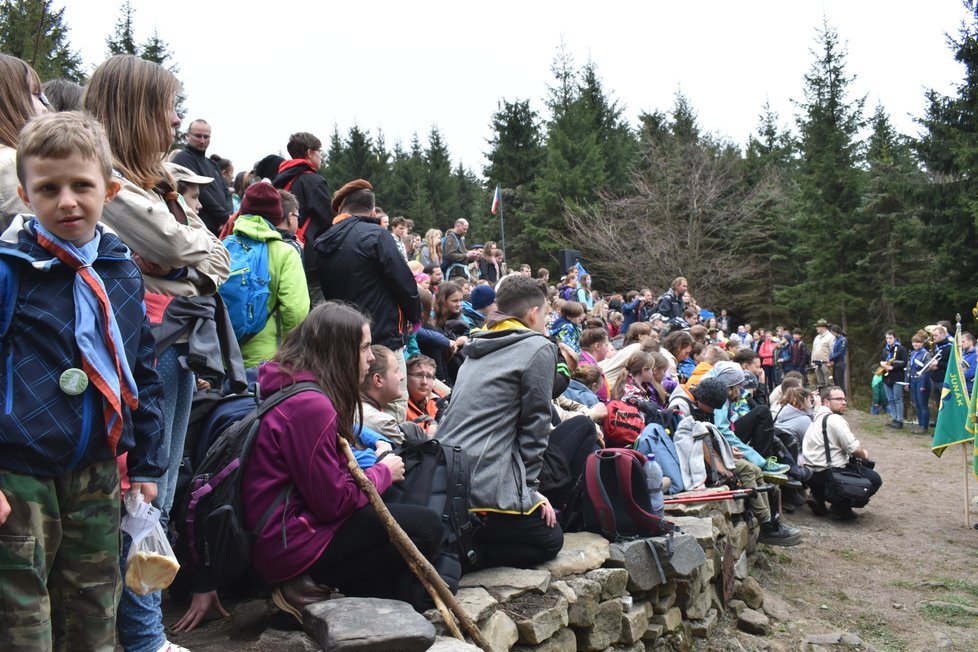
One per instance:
(902,577)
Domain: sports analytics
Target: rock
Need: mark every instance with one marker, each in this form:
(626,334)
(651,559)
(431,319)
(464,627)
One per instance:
(823,639)
(897,605)
(612,581)
(634,622)
(653,632)
(700,603)
(477,603)
(943,641)
(275,640)
(634,647)
(562,641)
(739,537)
(452,644)
(701,529)
(582,552)
(368,624)
(754,622)
(670,620)
(507,583)
(249,619)
(584,605)
(850,639)
(605,630)
(500,632)
(638,558)
(687,555)
(740,566)
(665,603)
(543,618)
(776,607)
(749,590)
(704,628)
(736,606)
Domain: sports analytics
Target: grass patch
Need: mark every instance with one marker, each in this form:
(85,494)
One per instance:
(950,613)
(880,632)
(951,601)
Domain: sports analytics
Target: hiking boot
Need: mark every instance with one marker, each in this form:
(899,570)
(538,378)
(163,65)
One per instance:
(298,593)
(839,513)
(776,533)
(817,506)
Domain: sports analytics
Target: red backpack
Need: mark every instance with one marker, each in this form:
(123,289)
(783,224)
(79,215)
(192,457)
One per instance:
(623,424)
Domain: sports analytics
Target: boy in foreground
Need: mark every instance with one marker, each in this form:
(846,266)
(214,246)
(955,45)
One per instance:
(500,416)
(79,389)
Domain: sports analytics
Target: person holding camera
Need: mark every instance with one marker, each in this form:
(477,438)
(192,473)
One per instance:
(845,451)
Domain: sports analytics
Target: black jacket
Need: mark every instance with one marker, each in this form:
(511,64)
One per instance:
(215,197)
(669,305)
(312,193)
(357,261)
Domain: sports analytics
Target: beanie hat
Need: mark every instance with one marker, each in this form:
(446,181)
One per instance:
(267,168)
(711,392)
(262,199)
(482,296)
(347,189)
(729,373)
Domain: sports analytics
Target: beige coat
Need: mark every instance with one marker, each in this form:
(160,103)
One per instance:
(10,203)
(142,220)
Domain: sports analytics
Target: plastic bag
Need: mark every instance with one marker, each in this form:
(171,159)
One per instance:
(151,564)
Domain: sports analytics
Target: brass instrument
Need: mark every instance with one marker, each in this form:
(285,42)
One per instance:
(882,370)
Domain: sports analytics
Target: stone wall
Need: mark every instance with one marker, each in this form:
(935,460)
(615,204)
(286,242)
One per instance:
(647,594)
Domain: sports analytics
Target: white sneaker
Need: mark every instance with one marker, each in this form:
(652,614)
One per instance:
(172,647)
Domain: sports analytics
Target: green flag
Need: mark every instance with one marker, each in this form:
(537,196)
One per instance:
(954,424)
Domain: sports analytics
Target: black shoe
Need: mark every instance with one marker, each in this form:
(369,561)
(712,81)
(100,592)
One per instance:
(800,473)
(776,533)
(897,425)
(842,513)
(817,506)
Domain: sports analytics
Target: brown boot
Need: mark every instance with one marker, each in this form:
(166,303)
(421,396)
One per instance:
(296,594)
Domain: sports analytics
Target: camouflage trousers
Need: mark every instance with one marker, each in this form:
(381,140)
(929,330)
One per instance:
(59,560)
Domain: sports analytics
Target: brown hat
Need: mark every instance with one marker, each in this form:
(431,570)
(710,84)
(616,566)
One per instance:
(262,199)
(822,322)
(350,187)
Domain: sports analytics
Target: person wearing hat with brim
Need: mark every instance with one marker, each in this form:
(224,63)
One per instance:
(188,184)
(821,352)
(358,262)
(259,220)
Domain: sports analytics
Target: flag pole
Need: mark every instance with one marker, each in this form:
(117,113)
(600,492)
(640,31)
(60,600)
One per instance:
(502,228)
(964,445)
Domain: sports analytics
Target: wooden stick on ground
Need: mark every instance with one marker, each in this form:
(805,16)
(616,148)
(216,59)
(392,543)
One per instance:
(421,567)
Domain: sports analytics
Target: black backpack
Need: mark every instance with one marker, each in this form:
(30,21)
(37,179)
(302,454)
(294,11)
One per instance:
(214,533)
(436,476)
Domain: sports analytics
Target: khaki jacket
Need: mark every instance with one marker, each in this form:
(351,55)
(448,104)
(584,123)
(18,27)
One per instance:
(10,203)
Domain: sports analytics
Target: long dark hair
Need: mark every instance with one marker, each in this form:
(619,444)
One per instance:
(445,290)
(327,344)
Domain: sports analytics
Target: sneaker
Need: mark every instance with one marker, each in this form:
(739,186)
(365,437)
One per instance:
(296,594)
(775,478)
(775,467)
(896,425)
(776,533)
(875,409)
(172,647)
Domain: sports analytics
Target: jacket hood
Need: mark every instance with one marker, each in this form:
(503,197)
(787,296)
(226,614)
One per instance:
(292,168)
(271,378)
(483,343)
(255,227)
(331,241)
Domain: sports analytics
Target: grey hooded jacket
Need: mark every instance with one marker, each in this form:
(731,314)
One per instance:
(500,416)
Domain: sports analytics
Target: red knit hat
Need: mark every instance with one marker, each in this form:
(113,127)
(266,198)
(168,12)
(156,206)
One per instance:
(262,199)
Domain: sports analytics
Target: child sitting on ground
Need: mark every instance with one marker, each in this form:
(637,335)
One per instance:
(82,389)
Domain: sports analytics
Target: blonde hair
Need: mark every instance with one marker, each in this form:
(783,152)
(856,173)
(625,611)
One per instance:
(133,98)
(60,135)
(432,238)
(18,83)
(634,365)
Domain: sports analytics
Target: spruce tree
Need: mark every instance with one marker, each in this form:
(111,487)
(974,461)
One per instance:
(123,40)
(35,32)
(440,185)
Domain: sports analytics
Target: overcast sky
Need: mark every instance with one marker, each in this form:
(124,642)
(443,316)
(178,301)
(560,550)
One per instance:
(260,71)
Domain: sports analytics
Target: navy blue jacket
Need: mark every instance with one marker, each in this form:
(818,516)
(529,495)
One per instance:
(45,432)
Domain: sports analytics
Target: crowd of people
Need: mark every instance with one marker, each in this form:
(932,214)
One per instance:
(122,272)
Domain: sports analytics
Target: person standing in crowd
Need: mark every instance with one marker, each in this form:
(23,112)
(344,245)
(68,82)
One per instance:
(431,249)
(822,352)
(765,350)
(357,261)
(215,198)
(20,88)
(134,99)
(830,423)
(938,368)
(488,267)
(893,361)
(454,254)
(838,358)
(300,176)
(968,359)
(919,381)
(398,228)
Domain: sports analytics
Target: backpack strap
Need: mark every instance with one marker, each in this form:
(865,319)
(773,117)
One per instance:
(825,438)
(599,496)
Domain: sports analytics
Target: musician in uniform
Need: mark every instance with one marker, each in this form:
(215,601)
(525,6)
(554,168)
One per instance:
(938,368)
(893,363)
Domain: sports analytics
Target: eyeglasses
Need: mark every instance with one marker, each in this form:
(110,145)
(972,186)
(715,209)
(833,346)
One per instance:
(422,376)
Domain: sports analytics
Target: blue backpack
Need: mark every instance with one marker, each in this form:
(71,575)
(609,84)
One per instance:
(655,442)
(246,291)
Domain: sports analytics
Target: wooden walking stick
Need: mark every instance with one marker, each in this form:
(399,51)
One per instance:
(421,567)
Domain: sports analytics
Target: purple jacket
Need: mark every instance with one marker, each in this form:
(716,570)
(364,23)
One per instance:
(297,444)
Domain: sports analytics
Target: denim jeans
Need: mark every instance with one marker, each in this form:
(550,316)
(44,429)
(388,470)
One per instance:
(894,401)
(139,621)
(178,393)
(920,395)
